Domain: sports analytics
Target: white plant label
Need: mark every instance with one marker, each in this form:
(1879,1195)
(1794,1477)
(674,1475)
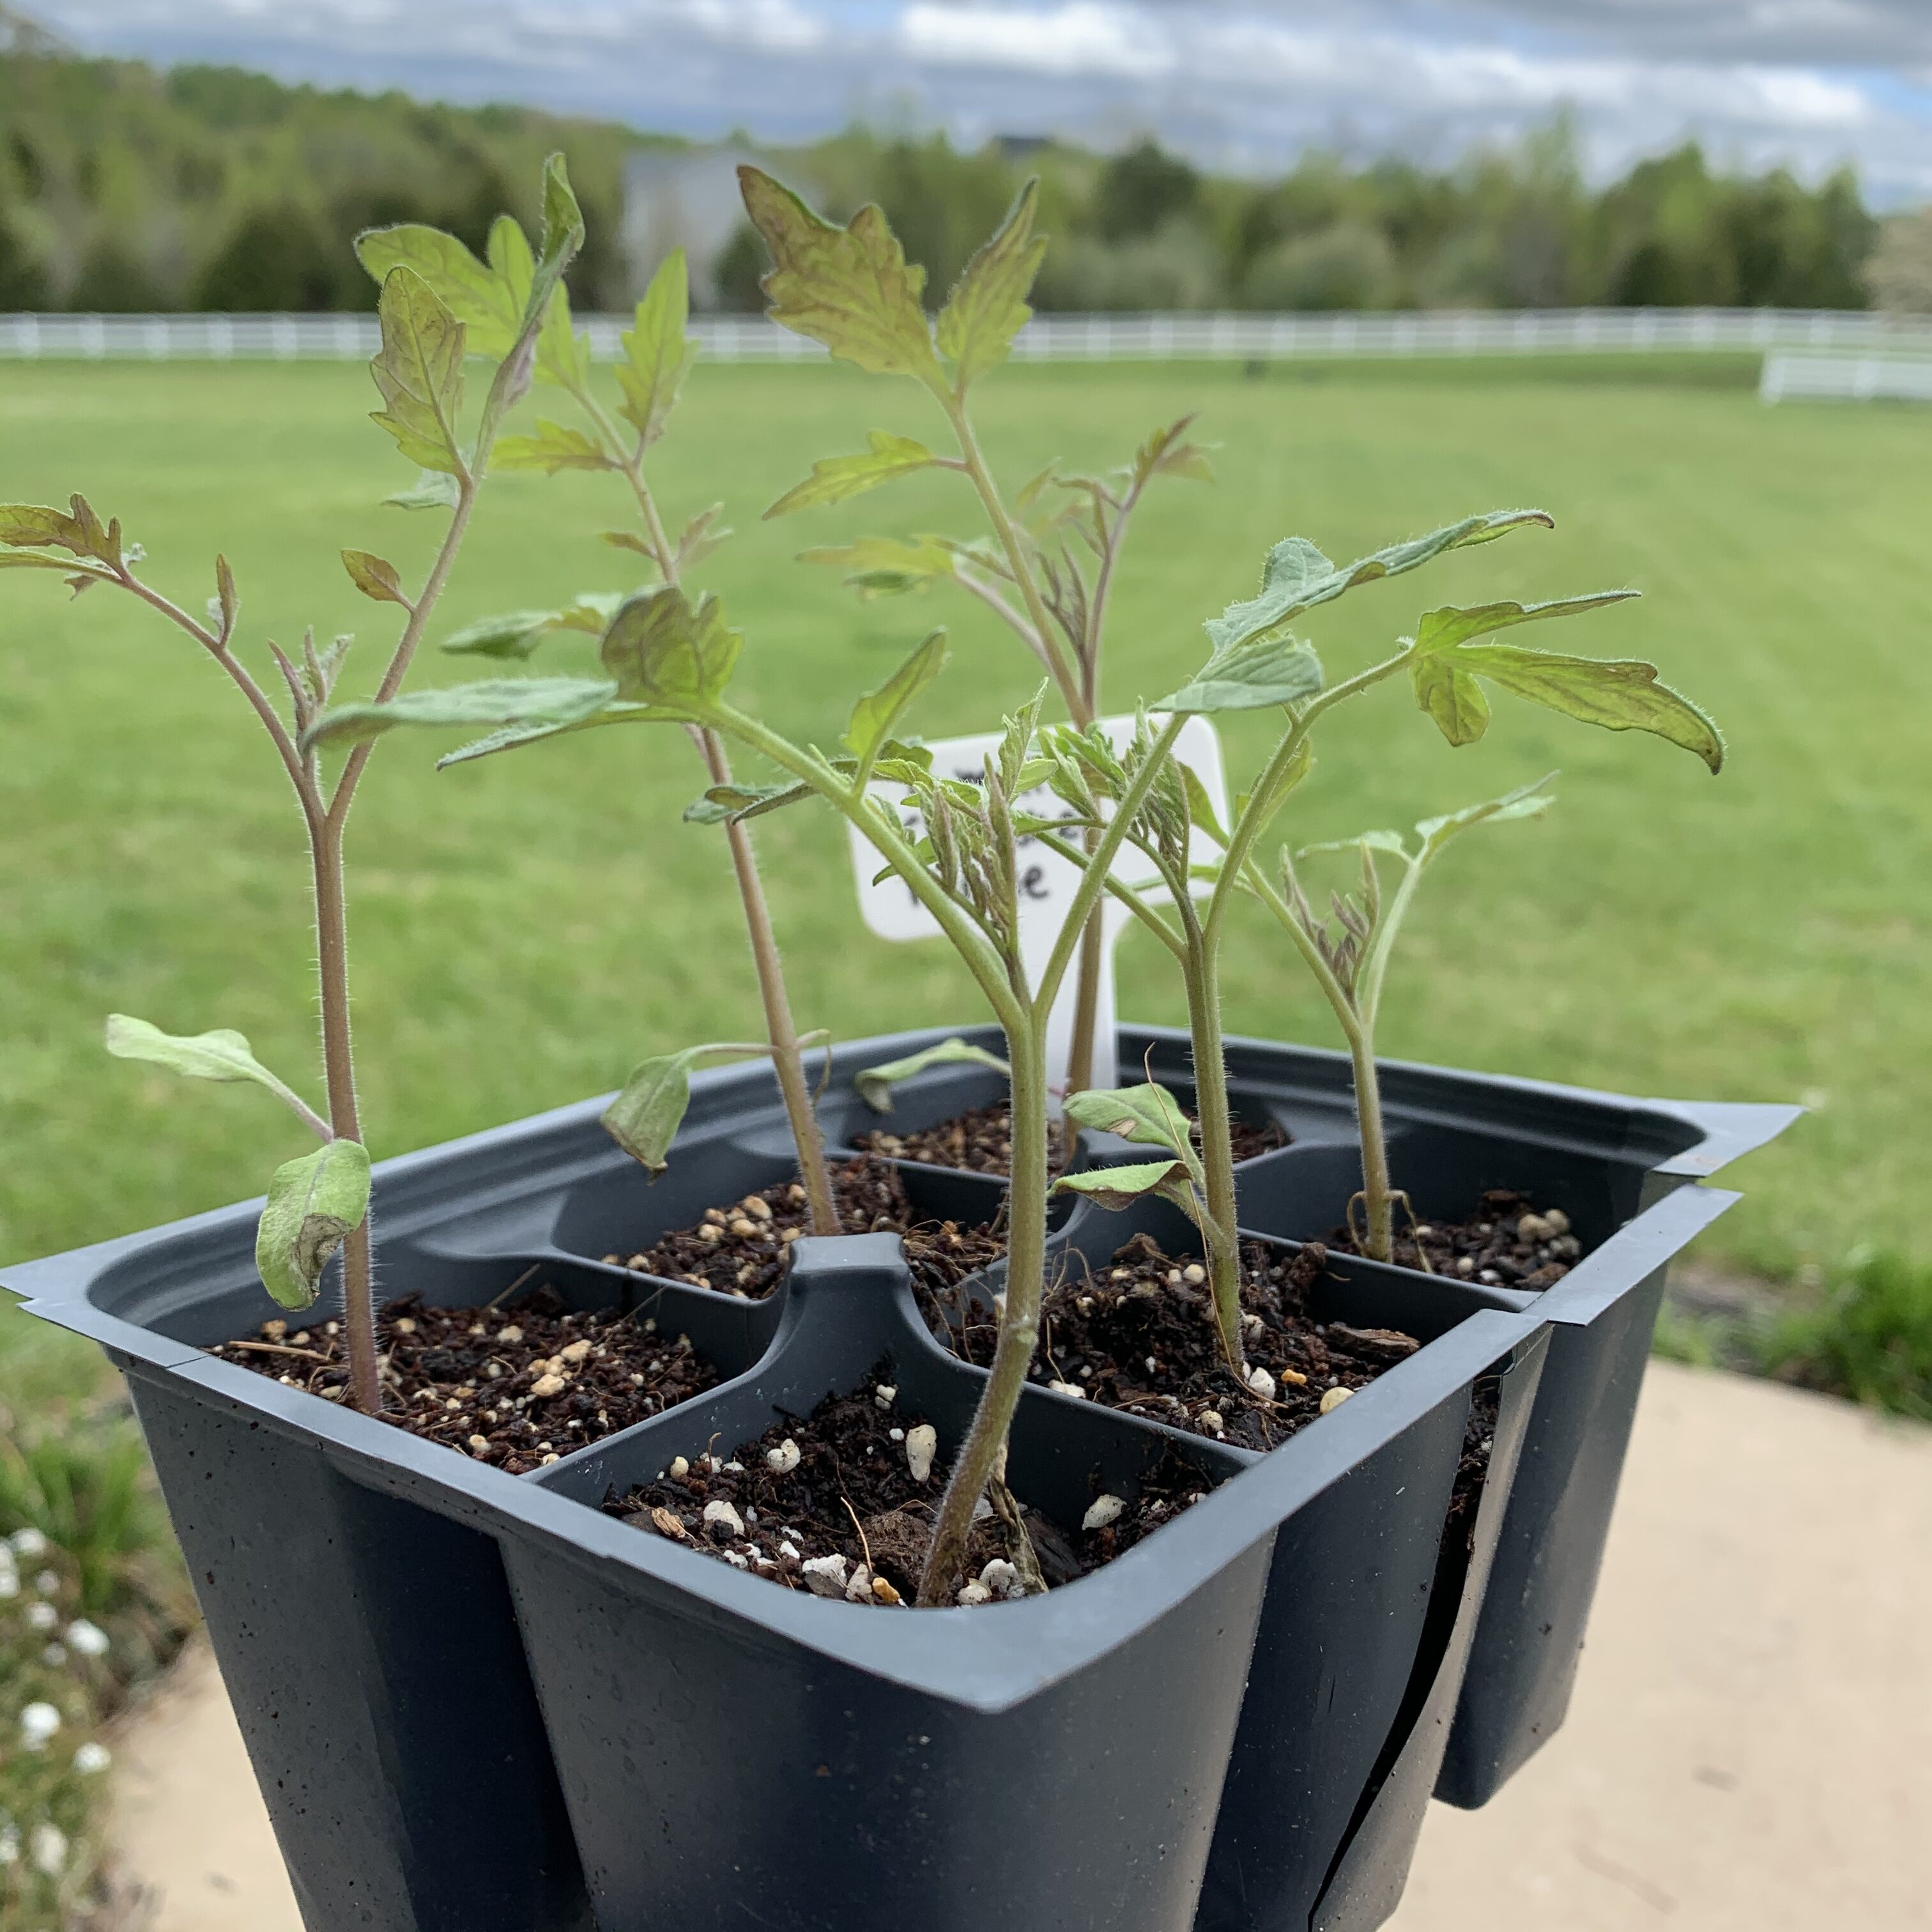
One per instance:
(1047,882)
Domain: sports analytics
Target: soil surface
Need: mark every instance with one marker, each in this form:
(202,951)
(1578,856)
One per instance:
(981,1140)
(1139,1335)
(835,1503)
(516,1386)
(1506,1243)
(743,1249)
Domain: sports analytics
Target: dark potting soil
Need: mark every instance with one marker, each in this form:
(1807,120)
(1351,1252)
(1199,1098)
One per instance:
(1139,1334)
(981,1139)
(517,1386)
(1505,1244)
(832,1503)
(743,1248)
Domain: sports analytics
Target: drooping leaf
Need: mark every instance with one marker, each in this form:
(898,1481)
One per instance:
(1297,576)
(1529,801)
(420,372)
(874,1084)
(834,479)
(76,529)
(1273,669)
(1120,1187)
(644,1118)
(657,355)
(78,573)
(562,356)
(433,490)
(1148,1113)
(665,653)
(850,288)
(1451,696)
(887,566)
(222,1054)
(874,715)
(374,577)
(554,447)
(627,540)
(487,301)
(314,1205)
(1376,842)
(726,804)
(544,704)
(987,306)
(1620,694)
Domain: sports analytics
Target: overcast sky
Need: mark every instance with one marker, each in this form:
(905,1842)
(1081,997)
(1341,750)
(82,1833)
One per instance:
(1240,83)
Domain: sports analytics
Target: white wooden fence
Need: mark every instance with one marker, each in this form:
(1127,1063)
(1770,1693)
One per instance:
(1856,379)
(1073,338)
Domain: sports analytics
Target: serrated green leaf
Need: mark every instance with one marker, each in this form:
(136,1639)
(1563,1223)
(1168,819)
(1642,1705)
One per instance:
(876,714)
(77,529)
(850,288)
(314,1205)
(665,653)
(987,306)
(700,537)
(1444,629)
(420,372)
(553,448)
(874,1084)
(726,804)
(563,356)
(627,540)
(545,704)
(1529,801)
(481,296)
(1269,669)
(644,1118)
(1120,1187)
(222,1055)
(1451,696)
(1619,695)
(835,478)
(1297,576)
(1165,454)
(1376,842)
(431,491)
(657,355)
(887,566)
(375,576)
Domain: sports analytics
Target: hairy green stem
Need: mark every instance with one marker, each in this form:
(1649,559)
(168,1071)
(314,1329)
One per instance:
(981,1454)
(1218,1234)
(781,1027)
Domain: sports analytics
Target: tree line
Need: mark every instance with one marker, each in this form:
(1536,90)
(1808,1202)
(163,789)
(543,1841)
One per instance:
(124,188)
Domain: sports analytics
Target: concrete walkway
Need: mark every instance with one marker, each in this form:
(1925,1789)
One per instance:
(1749,1749)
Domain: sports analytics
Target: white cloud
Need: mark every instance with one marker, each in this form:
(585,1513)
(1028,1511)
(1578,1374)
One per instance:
(1083,38)
(1247,83)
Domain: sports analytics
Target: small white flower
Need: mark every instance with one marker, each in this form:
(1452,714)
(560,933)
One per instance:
(47,1583)
(90,1639)
(38,1723)
(28,1543)
(49,1850)
(92,1757)
(9,1581)
(9,1844)
(42,1616)
(54,1656)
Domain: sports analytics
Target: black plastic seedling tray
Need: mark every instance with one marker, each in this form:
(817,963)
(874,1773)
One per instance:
(476,1703)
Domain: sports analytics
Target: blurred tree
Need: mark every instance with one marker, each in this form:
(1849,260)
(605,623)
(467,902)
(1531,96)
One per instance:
(1143,190)
(277,259)
(112,281)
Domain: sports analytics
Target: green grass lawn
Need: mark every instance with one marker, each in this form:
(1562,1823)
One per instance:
(526,928)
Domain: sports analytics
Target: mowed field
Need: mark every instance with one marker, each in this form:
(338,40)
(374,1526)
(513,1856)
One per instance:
(526,928)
